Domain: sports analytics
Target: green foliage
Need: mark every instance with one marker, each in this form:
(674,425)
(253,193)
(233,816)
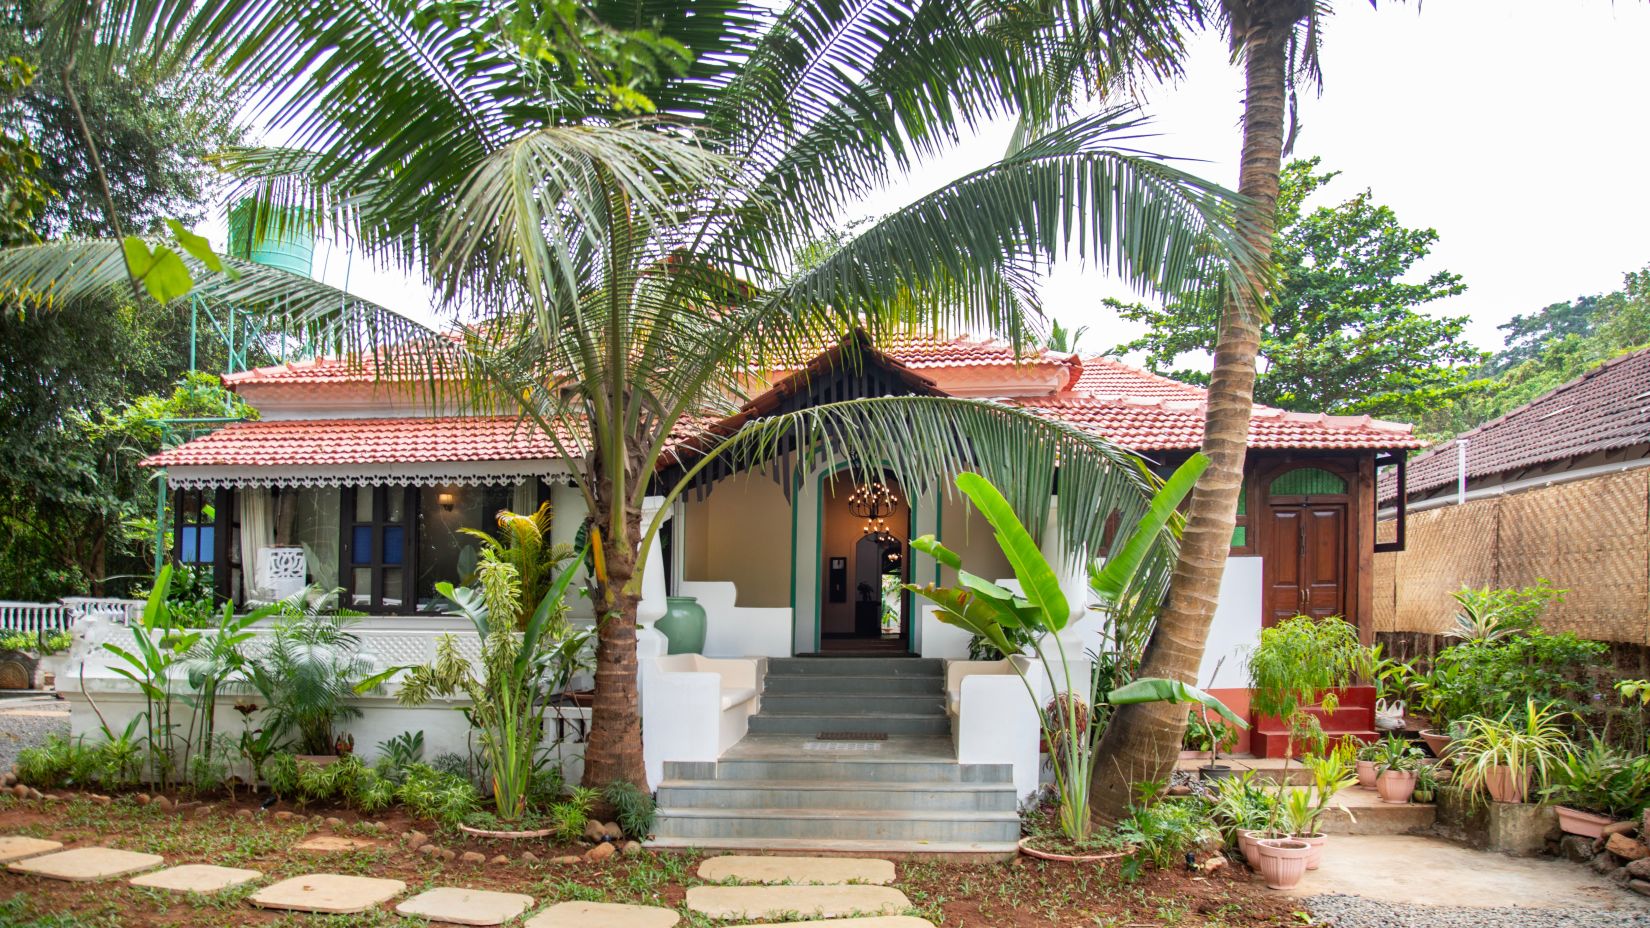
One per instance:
(633,807)
(526,547)
(1488,613)
(1396,753)
(1602,779)
(1482,678)
(1529,738)
(397,753)
(308,670)
(30,642)
(1347,332)
(569,817)
(1242,803)
(1297,662)
(445,798)
(24,191)
(1163,832)
(1205,734)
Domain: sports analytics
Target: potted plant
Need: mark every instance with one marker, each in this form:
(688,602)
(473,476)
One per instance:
(1299,664)
(1426,783)
(1245,811)
(1396,764)
(1365,765)
(1283,861)
(1069,726)
(1598,786)
(518,670)
(1506,756)
(1304,809)
(1210,735)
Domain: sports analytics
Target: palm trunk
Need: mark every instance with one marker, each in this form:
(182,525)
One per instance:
(1143,741)
(614,748)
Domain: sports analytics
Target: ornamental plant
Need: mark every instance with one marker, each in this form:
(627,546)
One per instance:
(1530,741)
(1070,725)
(509,695)
(1299,663)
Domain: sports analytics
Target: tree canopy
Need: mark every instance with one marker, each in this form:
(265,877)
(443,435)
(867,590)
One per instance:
(1346,332)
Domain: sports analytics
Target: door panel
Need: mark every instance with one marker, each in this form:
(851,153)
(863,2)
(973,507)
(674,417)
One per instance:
(1305,561)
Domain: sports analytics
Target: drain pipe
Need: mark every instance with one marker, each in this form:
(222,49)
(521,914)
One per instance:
(1460,471)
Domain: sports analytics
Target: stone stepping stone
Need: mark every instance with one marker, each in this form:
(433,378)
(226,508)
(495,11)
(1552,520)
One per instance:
(332,844)
(328,893)
(88,864)
(17,847)
(873,922)
(805,870)
(602,915)
(466,906)
(806,901)
(196,878)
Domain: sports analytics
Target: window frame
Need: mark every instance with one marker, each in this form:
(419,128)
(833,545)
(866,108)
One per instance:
(347,564)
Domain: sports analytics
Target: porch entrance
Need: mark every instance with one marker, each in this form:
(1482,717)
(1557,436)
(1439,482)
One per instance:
(864,534)
(1307,546)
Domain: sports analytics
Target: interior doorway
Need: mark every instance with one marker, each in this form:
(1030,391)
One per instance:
(865,559)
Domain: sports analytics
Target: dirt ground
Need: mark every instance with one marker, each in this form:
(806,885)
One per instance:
(1021,894)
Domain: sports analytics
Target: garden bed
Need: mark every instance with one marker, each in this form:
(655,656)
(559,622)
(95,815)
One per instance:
(1022,894)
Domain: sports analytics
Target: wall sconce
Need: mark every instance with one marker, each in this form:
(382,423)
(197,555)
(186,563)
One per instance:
(446,501)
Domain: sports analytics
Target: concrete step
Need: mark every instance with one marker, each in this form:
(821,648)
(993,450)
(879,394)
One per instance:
(701,825)
(1276,743)
(786,684)
(842,770)
(853,704)
(858,666)
(968,850)
(866,795)
(1358,811)
(876,722)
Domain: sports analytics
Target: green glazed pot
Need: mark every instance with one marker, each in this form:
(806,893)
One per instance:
(683,625)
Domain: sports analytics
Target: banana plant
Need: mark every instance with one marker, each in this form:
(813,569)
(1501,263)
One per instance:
(157,646)
(1070,725)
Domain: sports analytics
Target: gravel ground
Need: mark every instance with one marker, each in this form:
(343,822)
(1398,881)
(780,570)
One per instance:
(21,731)
(1356,912)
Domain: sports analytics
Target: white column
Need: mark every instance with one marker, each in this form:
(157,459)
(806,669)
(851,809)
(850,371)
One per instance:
(1080,622)
(652,606)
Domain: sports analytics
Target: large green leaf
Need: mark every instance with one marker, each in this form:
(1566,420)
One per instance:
(1157,689)
(1038,581)
(960,609)
(1112,578)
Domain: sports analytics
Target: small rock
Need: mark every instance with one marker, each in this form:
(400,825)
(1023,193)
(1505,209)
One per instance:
(1576,848)
(335,823)
(593,831)
(1625,847)
(631,848)
(528,857)
(600,852)
(52,797)
(1618,828)
(285,815)
(243,813)
(162,803)
(317,819)
(1603,864)
(1620,876)
(612,832)
(568,859)
(417,840)
(142,799)
(1180,789)
(35,794)
(1640,869)
(204,811)
(8,779)
(1212,864)
(447,853)
(20,791)
(499,860)
(1642,887)
(376,826)
(471,857)
(429,850)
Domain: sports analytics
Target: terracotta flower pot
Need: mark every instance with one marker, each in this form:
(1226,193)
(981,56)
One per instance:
(1249,843)
(1316,841)
(1366,774)
(1585,824)
(1283,862)
(1436,741)
(1504,786)
(1395,786)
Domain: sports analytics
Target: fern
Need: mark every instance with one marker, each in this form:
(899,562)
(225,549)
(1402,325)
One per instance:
(633,807)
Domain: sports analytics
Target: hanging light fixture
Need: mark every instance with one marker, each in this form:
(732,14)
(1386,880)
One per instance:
(874,502)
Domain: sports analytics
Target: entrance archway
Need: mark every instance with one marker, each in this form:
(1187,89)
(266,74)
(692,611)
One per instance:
(863,553)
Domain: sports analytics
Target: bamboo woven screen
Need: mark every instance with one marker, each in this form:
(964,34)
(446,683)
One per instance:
(1590,537)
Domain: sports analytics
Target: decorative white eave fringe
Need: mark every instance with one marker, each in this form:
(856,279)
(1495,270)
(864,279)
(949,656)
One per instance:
(420,473)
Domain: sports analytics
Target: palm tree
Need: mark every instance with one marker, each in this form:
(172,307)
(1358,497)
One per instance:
(1277,43)
(630,235)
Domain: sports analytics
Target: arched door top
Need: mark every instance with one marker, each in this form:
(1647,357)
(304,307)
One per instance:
(1307,481)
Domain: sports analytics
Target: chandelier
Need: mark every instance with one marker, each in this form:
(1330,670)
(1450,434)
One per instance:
(874,502)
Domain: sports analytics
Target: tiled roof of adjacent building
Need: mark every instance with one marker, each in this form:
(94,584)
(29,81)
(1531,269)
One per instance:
(1604,409)
(1110,378)
(362,441)
(1158,424)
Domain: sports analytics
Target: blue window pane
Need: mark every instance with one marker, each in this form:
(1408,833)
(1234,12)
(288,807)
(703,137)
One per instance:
(207,546)
(393,535)
(187,541)
(360,549)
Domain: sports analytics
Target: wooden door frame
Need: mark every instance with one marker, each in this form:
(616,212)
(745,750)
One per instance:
(1358,554)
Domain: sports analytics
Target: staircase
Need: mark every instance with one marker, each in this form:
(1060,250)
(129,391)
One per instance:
(783,788)
(1354,717)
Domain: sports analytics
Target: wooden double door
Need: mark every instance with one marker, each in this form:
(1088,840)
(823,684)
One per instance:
(1306,570)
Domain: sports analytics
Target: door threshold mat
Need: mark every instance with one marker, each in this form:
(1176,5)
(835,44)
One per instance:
(851,736)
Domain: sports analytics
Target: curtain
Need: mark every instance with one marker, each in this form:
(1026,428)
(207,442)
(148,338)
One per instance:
(257,533)
(526,499)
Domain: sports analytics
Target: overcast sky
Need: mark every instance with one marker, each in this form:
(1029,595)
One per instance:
(1516,128)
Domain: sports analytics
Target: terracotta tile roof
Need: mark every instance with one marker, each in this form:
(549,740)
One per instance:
(362,441)
(417,360)
(1109,378)
(1146,424)
(1604,409)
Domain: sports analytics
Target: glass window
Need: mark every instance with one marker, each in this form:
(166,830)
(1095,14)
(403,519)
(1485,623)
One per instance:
(446,552)
(1308,481)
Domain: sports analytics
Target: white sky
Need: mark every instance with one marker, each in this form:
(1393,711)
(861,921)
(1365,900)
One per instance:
(1516,128)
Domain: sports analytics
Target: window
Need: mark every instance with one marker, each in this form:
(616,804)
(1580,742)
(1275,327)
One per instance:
(380,557)
(1308,481)
(446,553)
(1240,532)
(195,538)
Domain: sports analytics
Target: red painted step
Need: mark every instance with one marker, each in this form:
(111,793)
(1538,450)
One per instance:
(1354,716)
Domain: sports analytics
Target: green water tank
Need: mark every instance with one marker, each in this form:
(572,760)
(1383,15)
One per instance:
(287,242)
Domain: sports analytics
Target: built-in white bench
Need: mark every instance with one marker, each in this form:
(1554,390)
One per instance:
(994,719)
(695,707)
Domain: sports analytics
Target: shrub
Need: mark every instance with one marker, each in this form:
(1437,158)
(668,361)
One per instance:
(48,765)
(632,806)
(1162,832)
(568,818)
(433,794)
(1483,678)
(1603,779)
(29,642)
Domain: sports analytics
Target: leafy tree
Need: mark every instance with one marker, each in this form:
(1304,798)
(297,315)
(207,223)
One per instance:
(1344,334)
(630,272)
(23,189)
